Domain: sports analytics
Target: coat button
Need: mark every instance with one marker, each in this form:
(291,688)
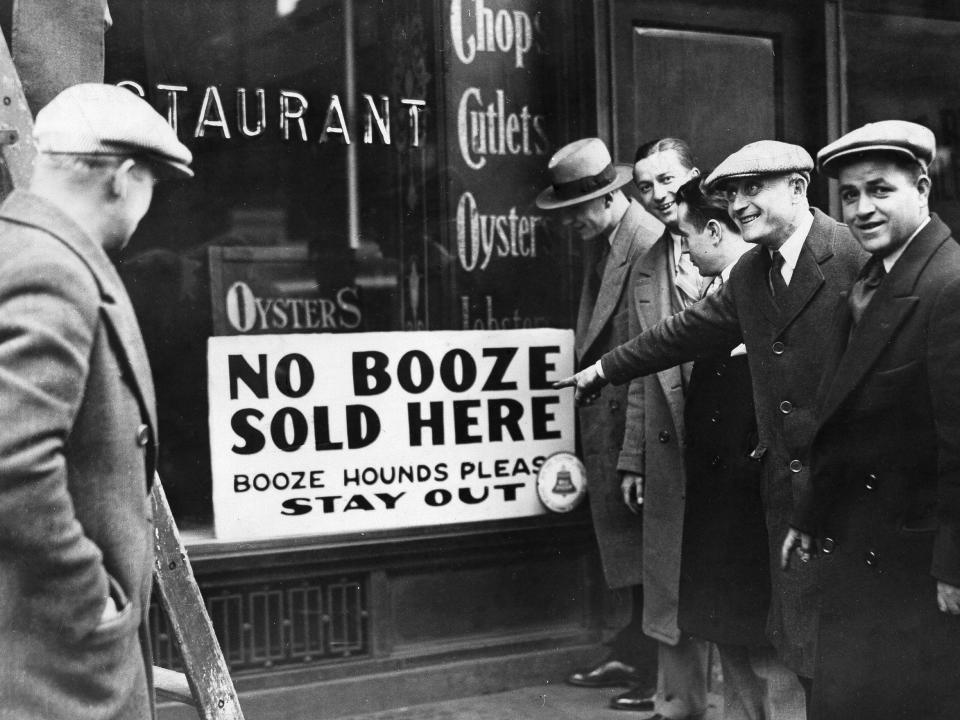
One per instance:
(871,483)
(715,418)
(664,436)
(796,466)
(143,435)
(719,371)
(716,461)
(786,407)
(870,558)
(614,405)
(828,545)
(778,348)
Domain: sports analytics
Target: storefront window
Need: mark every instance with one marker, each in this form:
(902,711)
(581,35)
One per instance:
(360,166)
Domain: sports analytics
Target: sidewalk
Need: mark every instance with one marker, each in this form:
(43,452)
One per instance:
(556,702)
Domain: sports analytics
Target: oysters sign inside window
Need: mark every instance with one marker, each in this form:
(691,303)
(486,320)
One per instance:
(325,434)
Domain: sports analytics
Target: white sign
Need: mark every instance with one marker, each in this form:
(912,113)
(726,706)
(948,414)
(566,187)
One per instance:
(324,434)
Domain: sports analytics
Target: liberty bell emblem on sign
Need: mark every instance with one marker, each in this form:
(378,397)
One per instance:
(561,482)
(564,484)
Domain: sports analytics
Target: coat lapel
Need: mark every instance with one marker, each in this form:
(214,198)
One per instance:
(807,277)
(615,276)
(122,324)
(653,295)
(890,307)
(587,302)
(757,264)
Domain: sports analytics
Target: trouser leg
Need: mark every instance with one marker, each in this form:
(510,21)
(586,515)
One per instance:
(742,690)
(634,647)
(682,678)
(783,696)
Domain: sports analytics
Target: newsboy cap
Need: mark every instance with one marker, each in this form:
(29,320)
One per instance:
(764,157)
(912,141)
(581,171)
(95,119)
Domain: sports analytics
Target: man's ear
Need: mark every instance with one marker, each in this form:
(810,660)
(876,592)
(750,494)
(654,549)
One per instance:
(798,187)
(924,183)
(716,231)
(694,172)
(120,180)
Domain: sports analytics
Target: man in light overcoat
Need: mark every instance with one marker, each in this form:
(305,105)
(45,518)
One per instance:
(79,440)
(664,282)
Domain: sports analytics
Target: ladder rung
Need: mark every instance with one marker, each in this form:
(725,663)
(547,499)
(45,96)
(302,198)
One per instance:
(172,685)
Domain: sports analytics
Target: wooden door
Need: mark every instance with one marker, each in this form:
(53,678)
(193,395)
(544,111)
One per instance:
(718,76)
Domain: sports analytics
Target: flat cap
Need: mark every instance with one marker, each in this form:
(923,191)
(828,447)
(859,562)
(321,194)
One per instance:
(764,157)
(915,142)
(95,119)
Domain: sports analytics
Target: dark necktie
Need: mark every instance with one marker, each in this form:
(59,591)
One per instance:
(866,285)
(778,286)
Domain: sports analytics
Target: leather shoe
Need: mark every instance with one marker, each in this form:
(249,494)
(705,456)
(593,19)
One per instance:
(638,698)
(609,673)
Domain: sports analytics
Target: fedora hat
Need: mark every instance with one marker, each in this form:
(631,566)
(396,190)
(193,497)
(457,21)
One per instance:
(579,172)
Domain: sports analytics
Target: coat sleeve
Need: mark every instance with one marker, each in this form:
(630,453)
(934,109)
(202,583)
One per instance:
(711,326)
(48,316)
(943,366)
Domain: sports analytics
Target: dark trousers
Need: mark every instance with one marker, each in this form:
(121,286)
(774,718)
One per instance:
(632,646)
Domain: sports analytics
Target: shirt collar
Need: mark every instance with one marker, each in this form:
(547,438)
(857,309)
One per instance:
(725,273)
(677,250)
(890,260)
(791,249)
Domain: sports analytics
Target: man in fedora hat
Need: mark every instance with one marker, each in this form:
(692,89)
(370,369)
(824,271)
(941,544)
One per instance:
(884,498)
(779,298)
(79,442)
(585,196)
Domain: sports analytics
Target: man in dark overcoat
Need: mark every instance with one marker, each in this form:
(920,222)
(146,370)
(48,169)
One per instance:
(78,447)
(725,570)
(585,196)
(884,500)
(780,296)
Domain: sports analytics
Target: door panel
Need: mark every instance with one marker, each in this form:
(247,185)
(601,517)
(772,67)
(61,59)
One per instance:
(694,85)
(716,75)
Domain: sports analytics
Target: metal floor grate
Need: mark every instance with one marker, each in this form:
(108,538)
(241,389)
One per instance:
(277,623)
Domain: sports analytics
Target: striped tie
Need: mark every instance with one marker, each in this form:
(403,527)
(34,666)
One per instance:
(866,286)
(710,286)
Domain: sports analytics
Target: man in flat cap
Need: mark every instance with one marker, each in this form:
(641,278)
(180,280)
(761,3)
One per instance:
(884,501)
(585,196)
(78,447)
(777,301)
